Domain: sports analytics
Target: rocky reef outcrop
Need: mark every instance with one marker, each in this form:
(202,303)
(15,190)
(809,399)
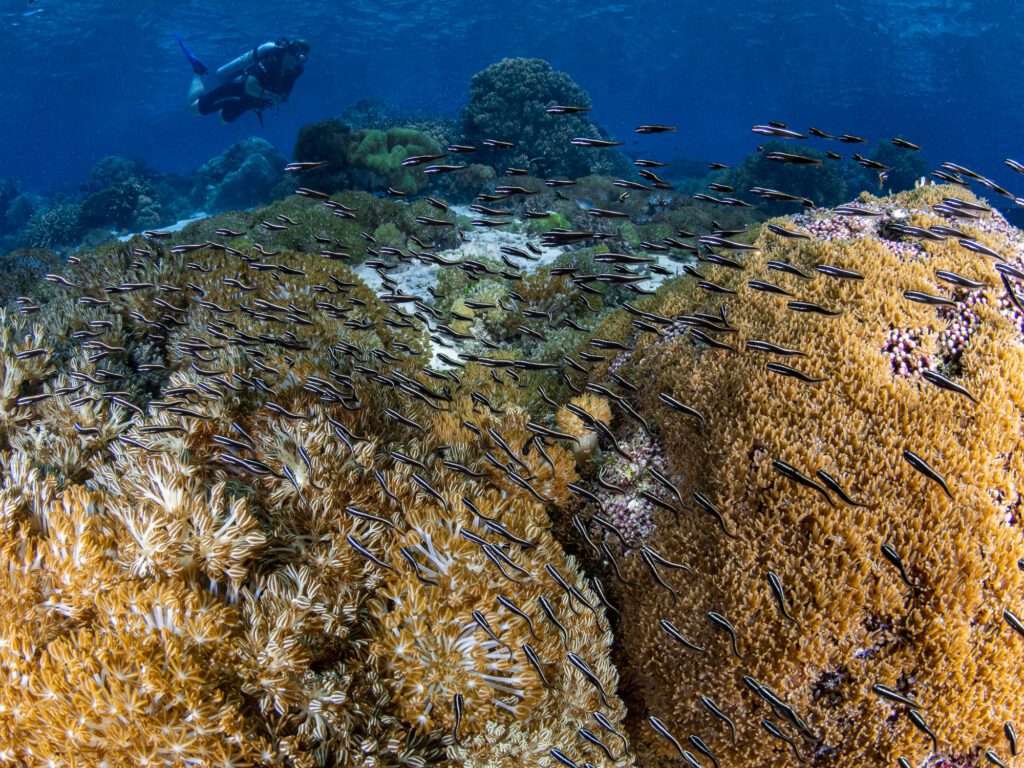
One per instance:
(240,177)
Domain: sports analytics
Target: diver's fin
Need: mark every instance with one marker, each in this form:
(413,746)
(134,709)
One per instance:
(197,66)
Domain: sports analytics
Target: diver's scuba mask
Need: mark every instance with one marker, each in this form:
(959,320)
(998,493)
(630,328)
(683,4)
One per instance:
(297,49)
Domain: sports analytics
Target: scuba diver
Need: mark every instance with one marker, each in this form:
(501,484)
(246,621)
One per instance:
(258,79)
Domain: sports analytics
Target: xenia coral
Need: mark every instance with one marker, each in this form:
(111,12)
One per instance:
(821,613)
(222,548)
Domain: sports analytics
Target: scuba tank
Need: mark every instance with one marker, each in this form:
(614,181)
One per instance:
(242,63)
(236,66)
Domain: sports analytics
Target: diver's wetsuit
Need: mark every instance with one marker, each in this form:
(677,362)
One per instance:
(269,85)
(230,99)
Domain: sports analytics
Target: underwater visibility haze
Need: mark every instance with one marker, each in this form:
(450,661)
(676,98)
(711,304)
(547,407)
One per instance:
(573,385)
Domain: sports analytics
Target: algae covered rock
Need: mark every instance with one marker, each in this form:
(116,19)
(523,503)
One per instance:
(115,206)
(824,185)
(113,170)
(10,190)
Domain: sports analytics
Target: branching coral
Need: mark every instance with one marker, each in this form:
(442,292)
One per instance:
(58,225)
(899,585)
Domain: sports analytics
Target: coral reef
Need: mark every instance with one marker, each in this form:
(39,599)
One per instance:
(324,141)
(379,114)
(824,185)
(356,478)
(241,176)
(465,185)
(898,584)
(23,270)
(507,101)
(19,212)
(905,168)
(113,170)
(57,225)
(15,210)
(368,158)
(340,235)
(632,513)
(116,205)
(376,158)
(10,189)
(224,546)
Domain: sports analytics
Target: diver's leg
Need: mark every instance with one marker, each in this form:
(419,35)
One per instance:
(195,91)
(233,109)
(214,99)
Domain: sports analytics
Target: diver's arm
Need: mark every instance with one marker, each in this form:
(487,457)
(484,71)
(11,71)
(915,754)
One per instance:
(256,90)
(253,87)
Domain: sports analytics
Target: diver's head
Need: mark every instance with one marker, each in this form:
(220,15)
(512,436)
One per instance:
(295,53)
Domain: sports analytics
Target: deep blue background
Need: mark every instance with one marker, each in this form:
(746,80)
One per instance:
(86,78)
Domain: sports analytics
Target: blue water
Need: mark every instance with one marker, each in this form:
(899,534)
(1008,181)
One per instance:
(87,78)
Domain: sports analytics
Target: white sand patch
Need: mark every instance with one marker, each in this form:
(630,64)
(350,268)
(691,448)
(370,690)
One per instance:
(175,227)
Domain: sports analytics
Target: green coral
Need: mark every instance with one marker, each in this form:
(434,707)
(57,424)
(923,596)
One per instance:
(507,101)
(368,159)
(553,220)
(381,154)
(387,234)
